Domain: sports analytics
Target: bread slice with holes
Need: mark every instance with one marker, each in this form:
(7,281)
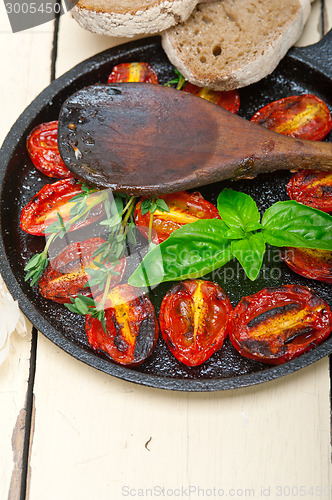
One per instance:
(128,18)
(229,44)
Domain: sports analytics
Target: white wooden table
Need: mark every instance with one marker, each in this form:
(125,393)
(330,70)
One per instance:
(70,432)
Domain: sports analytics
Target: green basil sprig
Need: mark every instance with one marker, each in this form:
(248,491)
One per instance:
(205,245)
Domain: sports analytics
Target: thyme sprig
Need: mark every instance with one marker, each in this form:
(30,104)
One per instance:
(86,305)
(106,258)
(179,80)
(151,205)
(83,203)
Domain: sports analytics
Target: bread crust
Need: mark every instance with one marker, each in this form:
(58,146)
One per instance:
(254,67)
(154,18)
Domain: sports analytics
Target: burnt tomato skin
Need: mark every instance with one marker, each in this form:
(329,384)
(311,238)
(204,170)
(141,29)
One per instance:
(303,117)
(41,211)
(42,146)
(312,188)
(229,99)
(133,72)
(194,318)
(276,325)
(131,324)
(183,207)
(67,274)
(308,262)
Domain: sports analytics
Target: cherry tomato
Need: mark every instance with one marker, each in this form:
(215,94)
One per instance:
(312,188)
(42,210)
(133,72)
(229,100)
(68,274)
(278,324)
(313,264)
(131,324)
(193,320)
(304,117)
(43,150)
(183,207)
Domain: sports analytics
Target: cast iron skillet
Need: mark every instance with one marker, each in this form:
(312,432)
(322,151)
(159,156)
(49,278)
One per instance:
(301,71)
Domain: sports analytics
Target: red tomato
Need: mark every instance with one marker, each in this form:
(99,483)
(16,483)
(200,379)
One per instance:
(131,324)
(313,264)
(312,188)
(42,210)
(229,99)
(133,72)
(68,273)
(278,324)
(304,117)
(193,320)
(42,145)
(183,207)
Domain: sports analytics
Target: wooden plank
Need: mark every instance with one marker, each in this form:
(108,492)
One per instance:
(107,438)
(25,71)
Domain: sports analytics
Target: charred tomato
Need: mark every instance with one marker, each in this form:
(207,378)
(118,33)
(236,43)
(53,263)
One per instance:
(42,146)
(308,262)
(42,209)
(278,324)
(131,325)
(68,273)
(133,72)
(229,100)
(183,207)
(303,116)
(312,188)
(194,317)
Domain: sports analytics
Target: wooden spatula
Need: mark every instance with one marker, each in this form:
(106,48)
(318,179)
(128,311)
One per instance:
(143,138)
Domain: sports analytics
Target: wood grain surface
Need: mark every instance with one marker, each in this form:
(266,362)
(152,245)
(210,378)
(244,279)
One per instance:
(25,68)
(96,437)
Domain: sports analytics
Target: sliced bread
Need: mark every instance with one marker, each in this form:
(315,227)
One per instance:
(128,18)
(232,43)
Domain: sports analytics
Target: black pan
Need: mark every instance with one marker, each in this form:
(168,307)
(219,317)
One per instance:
(305,70)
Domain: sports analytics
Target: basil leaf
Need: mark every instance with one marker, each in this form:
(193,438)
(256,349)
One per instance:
(254,227)
(291,224)
(237,209)
(190,252)
(250,252)
(235,233)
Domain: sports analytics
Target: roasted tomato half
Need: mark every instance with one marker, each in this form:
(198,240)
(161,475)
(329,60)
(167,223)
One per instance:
(312,188)
(313,264)
(42,209)
(133,72)
(42,145)
(68,273)
(194,318)
(303,116)
(278,324)
(229,100)
(131,324)
(183,207)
